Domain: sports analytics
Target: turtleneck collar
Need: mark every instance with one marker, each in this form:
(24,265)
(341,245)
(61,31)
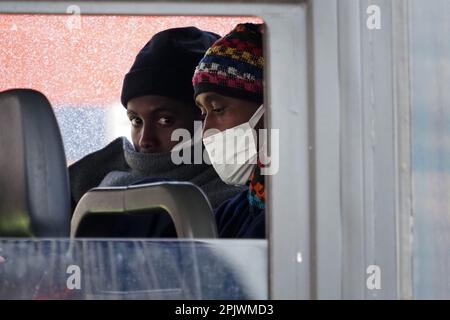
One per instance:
(147,164)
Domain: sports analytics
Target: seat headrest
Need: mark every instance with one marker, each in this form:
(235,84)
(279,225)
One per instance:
(100,209)
(34,188)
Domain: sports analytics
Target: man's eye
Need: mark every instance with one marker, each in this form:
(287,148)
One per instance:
(135,122)
(165,121)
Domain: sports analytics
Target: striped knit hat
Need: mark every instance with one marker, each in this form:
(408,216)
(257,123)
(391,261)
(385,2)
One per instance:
(233,66)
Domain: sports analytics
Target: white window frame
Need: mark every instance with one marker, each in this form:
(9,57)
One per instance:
(332,209)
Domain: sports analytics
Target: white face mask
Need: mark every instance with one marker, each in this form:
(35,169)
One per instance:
(233,152)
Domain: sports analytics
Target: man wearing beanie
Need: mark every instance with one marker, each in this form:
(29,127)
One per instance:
(158,95)
(228,85)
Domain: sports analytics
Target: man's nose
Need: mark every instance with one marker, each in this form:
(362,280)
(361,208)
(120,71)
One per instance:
(148,141)
(206,124)
(211,123)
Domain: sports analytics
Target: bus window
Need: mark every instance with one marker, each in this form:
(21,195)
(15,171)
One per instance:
(359,208)
(78,62)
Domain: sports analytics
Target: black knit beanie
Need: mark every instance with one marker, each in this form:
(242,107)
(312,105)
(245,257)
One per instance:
(166,64)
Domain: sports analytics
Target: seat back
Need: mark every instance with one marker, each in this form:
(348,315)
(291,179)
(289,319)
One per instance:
(34,188)
(186,204)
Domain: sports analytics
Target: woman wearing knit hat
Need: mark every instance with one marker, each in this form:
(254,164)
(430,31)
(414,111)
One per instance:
(228,86)
(158,95)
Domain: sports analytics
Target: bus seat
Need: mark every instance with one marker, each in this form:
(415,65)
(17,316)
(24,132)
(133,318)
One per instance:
(186,204)
(34,188)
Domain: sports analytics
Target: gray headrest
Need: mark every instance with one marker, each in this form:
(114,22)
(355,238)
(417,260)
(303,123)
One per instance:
(187,205)
(34,188)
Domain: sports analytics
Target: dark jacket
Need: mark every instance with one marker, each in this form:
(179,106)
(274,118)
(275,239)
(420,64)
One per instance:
(236,218)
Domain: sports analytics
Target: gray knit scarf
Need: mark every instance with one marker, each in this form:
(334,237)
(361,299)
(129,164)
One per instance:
(131,166)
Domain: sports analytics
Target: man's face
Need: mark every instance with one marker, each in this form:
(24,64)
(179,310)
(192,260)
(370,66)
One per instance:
(221,112)
(154,118)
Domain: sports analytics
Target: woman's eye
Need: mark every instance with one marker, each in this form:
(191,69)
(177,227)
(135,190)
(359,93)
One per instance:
(165,121)
(219,110)
(135,122)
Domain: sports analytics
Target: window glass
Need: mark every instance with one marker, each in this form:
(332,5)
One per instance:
(79,63)
(133,269)
(430,100)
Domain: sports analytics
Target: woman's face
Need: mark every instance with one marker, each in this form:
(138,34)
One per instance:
(222,112)
(154,118)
